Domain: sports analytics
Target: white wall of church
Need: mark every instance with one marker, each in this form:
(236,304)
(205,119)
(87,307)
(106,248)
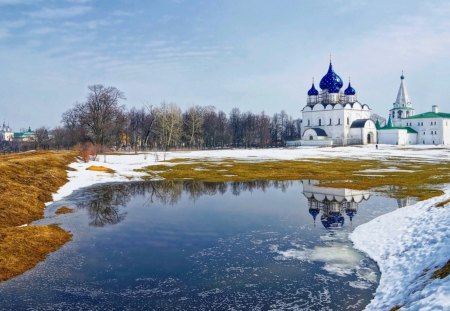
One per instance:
(335,121)
(431,131)
(394,137)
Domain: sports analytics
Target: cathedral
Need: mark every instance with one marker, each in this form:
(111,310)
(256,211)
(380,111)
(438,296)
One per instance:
(333,116)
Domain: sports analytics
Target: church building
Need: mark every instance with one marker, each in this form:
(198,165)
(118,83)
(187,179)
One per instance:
(404,127)
(333,116)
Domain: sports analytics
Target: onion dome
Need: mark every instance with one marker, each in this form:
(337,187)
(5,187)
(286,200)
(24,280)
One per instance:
(331,81)
(350,213)
(314,212)
(349,90)
(312,91)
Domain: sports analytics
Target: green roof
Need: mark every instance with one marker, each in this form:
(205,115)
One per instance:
(408,129)
(430,115)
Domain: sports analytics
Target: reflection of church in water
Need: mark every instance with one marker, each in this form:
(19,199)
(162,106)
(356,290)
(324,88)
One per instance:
(335,204)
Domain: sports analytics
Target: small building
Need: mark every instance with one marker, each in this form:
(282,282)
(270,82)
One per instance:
(334,116)
(25,136)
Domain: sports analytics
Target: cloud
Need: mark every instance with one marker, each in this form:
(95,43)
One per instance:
(17,2)
(56,13)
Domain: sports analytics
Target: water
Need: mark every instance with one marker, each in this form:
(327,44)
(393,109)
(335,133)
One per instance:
(205,246)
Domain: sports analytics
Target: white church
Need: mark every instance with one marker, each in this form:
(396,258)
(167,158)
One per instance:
(334,116)
(404,127)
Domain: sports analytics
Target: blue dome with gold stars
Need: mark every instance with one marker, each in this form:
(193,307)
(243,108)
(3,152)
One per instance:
(331,81)
(312,91)
(349,90)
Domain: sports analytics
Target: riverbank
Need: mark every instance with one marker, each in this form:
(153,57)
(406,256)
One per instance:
(27,181)
(419,171)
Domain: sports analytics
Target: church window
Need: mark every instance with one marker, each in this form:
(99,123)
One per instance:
(309,122)
(339,121)
(348,121)
(311,137)
(330,121)
(320,122)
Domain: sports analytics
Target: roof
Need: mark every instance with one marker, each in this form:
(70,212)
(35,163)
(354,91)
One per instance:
(430,115)
(360,123)
(408,129)
(319,131)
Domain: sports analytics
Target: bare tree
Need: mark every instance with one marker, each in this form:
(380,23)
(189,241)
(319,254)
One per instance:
(99,114)
(168,125)
(193,120)
(41,137)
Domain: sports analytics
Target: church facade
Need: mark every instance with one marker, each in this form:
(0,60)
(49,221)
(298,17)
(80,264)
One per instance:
(334,116)
(404,127)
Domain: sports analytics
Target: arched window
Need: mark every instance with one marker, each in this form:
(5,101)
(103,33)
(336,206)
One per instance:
(339,121)
(348,121)
(309,122)
(320,122)
(330,121)
(311,137)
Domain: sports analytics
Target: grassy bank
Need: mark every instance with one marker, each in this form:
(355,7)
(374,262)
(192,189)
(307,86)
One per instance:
(394,176)
(27,181)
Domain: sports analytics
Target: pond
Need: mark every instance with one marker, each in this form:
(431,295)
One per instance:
(205,246)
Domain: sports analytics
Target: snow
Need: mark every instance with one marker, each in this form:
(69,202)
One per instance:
(408,244)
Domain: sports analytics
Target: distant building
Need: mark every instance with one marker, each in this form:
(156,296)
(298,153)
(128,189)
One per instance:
(24,136)
(334,116)
(404,127)
(6,133)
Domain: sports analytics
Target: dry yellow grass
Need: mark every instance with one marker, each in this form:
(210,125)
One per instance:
(22,248)
(27,181)
(99,168)
(443,203)
(64,210)
(397,177)
(442,272)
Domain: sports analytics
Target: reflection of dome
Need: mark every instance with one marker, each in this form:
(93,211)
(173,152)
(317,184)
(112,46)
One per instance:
(331,81)
(350,213)
(312,91)
(332,220)
(314,212)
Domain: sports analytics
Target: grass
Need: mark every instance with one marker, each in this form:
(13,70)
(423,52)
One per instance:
(443,203)
(442,272)
(27,181)
(22,248)
(100,168)
(64,210)
(421,180)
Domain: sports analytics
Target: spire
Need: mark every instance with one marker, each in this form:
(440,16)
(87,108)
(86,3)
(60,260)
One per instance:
(389,123)
(377,124)
(402,95)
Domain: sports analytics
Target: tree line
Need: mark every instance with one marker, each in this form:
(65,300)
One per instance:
(103,120)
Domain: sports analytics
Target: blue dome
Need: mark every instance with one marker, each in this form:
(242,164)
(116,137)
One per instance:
(331,81)
(312,91)
(349,90)
(314,212)
(333,220)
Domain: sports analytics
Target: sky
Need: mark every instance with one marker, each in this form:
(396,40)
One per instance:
(257,55)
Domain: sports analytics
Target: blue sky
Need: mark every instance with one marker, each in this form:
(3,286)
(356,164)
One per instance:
(254,54)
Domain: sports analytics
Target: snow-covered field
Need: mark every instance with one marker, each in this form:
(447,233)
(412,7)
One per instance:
(408,244)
